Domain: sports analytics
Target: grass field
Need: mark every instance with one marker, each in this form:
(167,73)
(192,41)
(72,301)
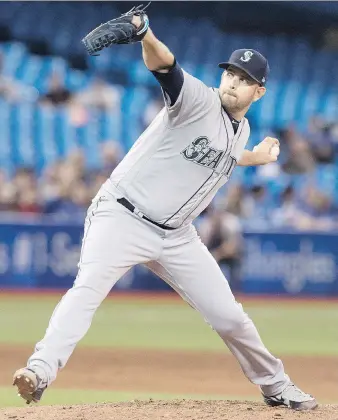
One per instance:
(286,328)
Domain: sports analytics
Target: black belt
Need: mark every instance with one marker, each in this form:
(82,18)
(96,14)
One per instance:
(131,208)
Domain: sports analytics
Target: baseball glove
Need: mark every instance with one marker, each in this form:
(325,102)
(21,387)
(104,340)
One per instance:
(117,31)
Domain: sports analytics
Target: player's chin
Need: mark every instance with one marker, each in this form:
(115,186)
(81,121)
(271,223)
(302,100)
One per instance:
(229,101)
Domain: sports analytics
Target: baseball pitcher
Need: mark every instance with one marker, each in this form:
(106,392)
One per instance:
(143,213)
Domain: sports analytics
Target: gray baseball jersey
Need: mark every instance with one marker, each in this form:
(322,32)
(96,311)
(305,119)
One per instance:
(188,152)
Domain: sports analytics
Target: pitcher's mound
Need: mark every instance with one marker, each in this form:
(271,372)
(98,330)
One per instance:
(171,410)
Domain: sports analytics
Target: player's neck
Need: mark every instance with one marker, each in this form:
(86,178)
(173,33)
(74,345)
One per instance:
(237,115)
(232,117)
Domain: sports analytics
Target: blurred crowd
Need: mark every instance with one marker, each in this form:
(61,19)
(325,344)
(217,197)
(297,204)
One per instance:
(99,94)
(64,189)
(287,194)
(272,199)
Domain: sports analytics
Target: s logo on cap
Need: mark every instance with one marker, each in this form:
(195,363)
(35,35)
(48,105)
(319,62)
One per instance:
(246,56)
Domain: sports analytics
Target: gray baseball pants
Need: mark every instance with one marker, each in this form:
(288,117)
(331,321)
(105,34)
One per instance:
(116,240)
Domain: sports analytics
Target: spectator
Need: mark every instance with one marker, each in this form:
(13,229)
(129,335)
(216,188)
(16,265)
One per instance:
(57,93)
(111,155)
(24,178)
(97,179)
(316,210)
(81,196)
(299,156)
(26,192)
(7,199)
(334,134)
(28,201)
(13,91)
(221,233)
(79,116)
(319,137)
(258,207)
(286,214)
(7,193)
(71,169)
(76,160)
(72,201)
(312,211)
(49,184)
(152,109)
(234,201)
(100,95)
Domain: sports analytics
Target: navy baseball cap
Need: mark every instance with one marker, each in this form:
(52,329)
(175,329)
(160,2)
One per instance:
(250,61)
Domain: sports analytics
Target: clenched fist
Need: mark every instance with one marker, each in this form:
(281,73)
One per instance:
(267,151)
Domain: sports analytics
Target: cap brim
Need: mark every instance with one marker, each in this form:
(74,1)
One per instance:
(227,64)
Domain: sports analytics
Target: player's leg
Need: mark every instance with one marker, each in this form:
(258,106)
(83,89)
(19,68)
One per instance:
(114,240)
(193,272)
(220,310)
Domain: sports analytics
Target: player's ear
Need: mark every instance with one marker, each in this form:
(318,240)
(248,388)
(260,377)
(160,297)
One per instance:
(260,92)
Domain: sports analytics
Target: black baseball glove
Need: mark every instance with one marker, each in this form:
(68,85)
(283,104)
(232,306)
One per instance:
(117,31)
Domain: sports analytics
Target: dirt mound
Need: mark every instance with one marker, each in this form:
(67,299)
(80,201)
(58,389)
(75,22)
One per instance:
(191,373)
(171,410)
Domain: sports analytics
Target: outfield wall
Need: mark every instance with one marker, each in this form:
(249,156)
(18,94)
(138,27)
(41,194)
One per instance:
(44,254)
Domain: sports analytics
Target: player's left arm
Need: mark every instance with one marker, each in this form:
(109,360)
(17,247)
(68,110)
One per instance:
(162,63)
(265,152)
(186,98)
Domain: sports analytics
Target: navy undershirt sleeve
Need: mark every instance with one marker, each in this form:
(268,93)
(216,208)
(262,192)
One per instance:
(171,82)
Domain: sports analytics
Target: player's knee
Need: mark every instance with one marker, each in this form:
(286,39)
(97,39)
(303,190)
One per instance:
(227,323)
(92,285)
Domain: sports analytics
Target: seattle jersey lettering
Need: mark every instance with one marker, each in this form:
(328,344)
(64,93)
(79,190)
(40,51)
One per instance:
(201,153)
